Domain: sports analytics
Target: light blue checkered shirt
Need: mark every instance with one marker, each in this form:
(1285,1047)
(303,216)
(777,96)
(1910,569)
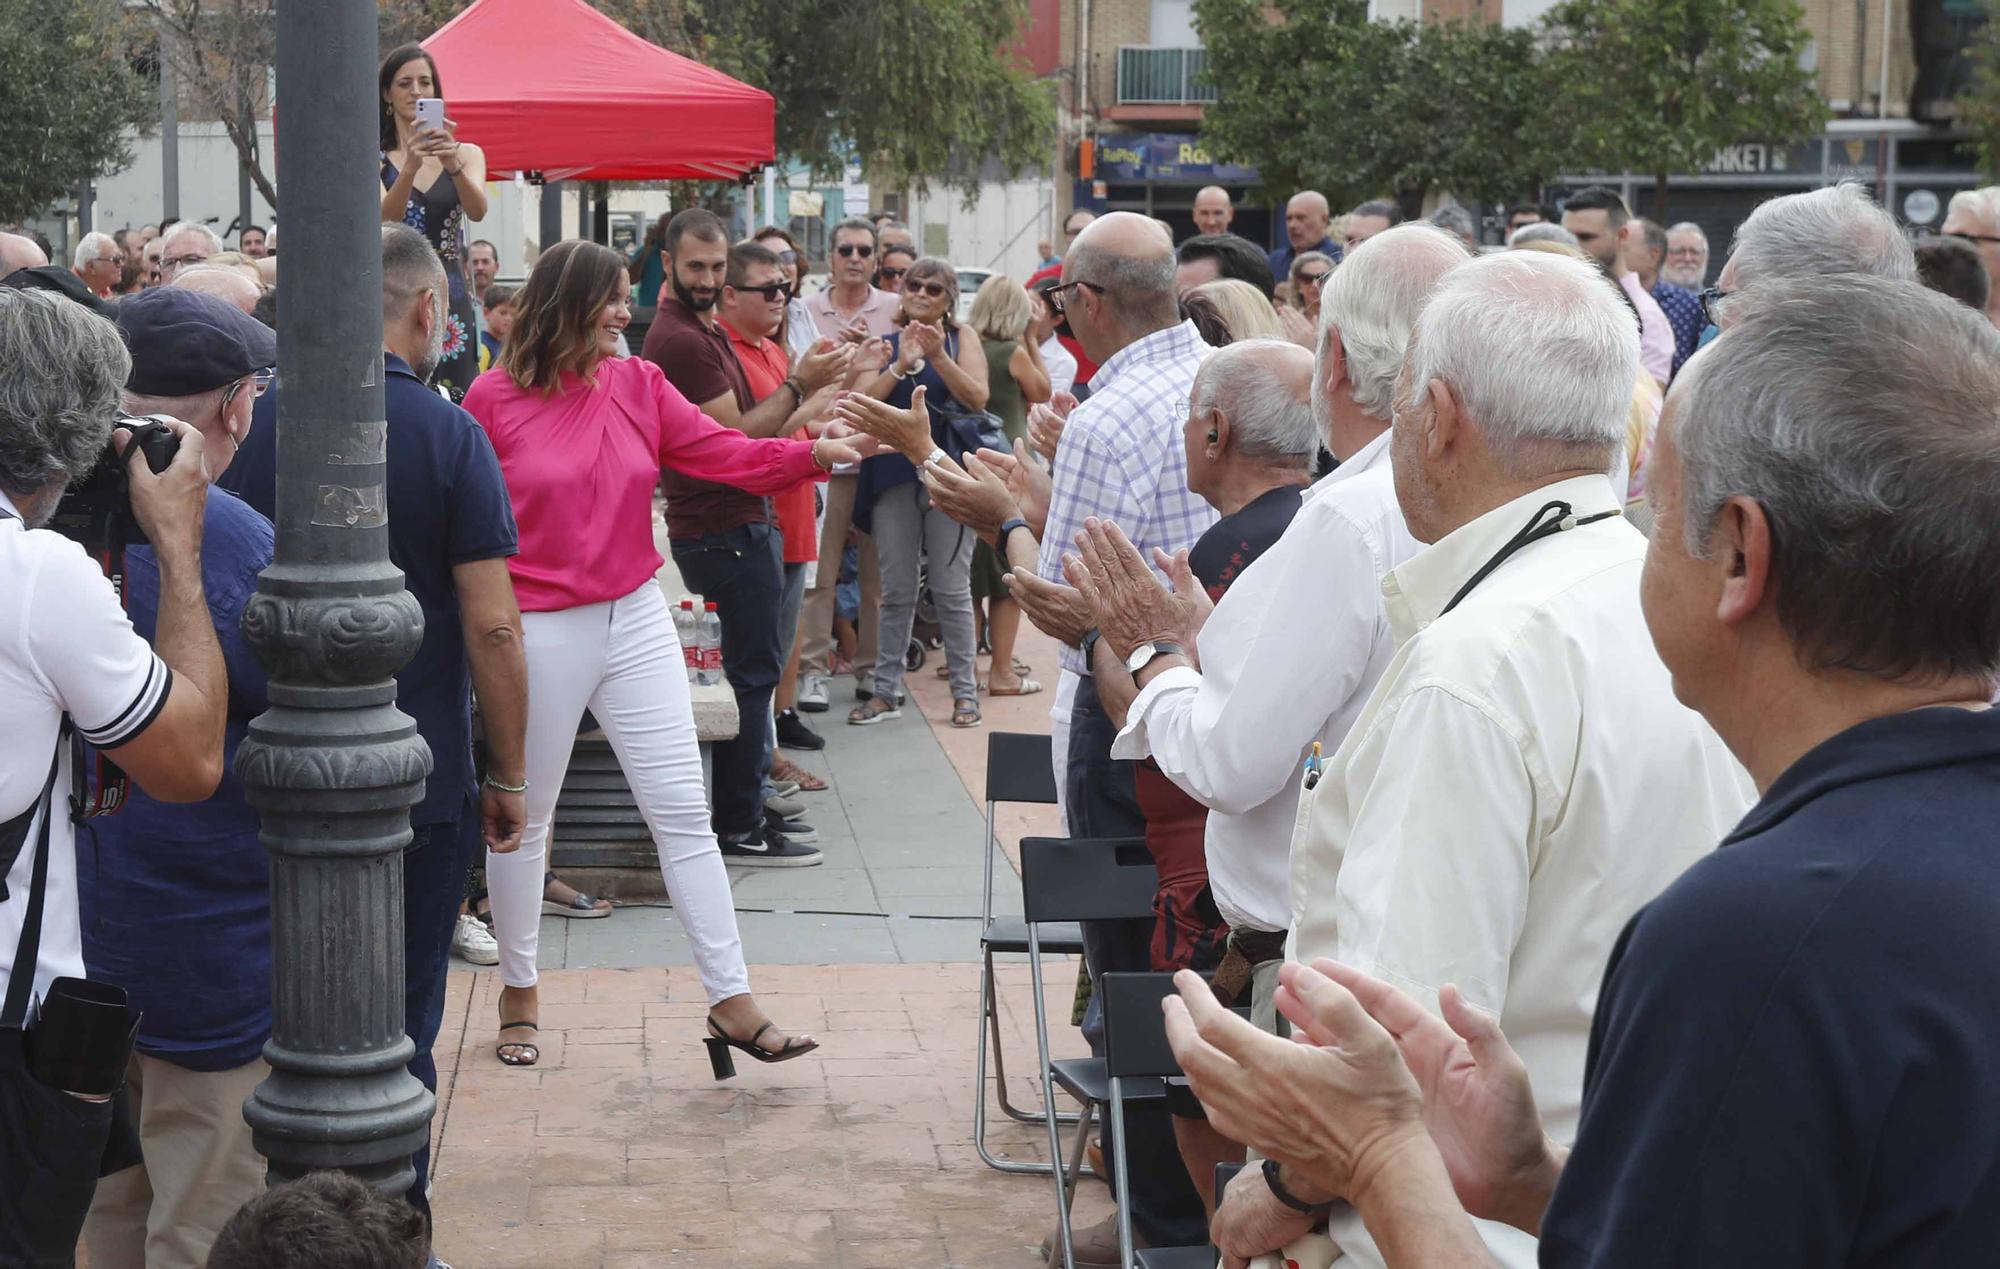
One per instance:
(1122,456)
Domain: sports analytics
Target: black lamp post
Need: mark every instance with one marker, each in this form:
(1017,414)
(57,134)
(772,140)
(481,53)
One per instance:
(333,766)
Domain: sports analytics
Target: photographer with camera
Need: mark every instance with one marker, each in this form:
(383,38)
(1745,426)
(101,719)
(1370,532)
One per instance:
(176,899)
(72,666)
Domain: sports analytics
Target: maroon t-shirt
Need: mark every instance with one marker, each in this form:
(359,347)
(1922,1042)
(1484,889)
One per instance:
(700,363)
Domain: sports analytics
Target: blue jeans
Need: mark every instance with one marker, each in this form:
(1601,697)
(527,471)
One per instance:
(434,868)
(742,572)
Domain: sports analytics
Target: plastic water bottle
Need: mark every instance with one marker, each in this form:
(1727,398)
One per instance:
(708,637)
(684,630)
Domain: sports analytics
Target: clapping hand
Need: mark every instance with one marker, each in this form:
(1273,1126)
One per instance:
(908,432)
(1131,606)
(862,444)
(1056,610)
(1298,328)
(975,495)
(824,363)
(928,338)
(1045,424)
(1027,482)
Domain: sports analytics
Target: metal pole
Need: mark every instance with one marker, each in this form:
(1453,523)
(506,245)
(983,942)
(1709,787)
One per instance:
(551,213)
(333,766)
(242,198)
(772,216)
(170,128)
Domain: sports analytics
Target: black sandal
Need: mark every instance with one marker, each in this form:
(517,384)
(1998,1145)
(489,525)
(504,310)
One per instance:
(533,1051)
(720,1042)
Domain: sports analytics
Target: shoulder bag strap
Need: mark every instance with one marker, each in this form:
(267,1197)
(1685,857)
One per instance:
(21,978)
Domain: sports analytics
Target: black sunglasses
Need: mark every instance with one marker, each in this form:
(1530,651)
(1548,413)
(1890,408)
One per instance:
(848,250)
(892,274)
(773,293)
(936,290)
(1055,294)
(1314,279)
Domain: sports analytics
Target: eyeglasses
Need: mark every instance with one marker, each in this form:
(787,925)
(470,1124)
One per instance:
(259,381)
(848,250)
(1964,237)
(773,293)
(1314,279)
(936,290)
(788,257)
(1055,294)
(176,262)
(1710,297)
(1686,253)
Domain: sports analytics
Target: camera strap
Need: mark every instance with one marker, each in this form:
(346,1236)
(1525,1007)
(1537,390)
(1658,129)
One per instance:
(21,978)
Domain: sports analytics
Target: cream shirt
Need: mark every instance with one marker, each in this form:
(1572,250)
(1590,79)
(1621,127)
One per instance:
(1521,781)
(1288,658)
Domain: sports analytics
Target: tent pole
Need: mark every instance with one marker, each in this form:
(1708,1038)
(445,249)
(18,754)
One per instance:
(551,214)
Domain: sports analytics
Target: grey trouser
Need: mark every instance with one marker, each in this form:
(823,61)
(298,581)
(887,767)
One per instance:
(906,529)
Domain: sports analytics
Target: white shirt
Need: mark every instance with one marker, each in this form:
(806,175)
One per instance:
(1061,364)
(1288,657)
(1656,333)
(1520,783)
(65,647)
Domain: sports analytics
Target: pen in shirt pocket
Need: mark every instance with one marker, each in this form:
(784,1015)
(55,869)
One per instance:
(1314,766)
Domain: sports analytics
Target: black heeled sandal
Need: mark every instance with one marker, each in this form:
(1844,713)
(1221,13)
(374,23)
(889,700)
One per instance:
(720,1042)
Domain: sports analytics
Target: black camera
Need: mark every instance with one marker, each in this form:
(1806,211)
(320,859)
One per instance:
(97,510)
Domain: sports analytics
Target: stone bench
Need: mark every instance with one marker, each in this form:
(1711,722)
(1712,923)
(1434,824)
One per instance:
(597,822)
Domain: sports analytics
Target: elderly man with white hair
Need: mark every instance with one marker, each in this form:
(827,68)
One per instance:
(228,284)
(1839,229)
(99,261)
(1522,779)
(185,245)
(1973,217)
(1687,256)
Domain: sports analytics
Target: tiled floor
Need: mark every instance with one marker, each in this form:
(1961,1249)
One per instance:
(621,1149)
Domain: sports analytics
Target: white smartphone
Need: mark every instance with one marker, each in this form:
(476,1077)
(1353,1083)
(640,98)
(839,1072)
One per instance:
(430,113)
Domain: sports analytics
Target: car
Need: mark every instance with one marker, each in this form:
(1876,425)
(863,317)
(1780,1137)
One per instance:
(970,279)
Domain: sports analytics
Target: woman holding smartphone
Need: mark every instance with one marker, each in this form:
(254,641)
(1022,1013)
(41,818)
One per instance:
(432,182)
(582,435)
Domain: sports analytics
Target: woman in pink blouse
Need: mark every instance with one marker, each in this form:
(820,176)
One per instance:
(582,435)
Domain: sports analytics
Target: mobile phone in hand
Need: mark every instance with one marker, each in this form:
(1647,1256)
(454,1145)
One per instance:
(430,113)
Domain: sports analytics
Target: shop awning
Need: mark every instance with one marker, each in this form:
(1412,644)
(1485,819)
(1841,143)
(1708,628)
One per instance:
(555,87)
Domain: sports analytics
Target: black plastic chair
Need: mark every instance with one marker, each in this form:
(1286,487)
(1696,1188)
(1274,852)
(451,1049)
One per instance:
(1017,770)
(1081,879)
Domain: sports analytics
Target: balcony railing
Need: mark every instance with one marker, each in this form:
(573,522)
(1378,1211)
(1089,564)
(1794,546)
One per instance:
(1149,75)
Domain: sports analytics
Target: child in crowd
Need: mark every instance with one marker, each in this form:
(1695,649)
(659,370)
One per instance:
(499,304)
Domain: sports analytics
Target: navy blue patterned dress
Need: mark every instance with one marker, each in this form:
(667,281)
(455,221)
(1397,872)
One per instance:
(437,214)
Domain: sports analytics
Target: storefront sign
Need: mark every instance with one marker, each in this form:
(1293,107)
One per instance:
(1132,157)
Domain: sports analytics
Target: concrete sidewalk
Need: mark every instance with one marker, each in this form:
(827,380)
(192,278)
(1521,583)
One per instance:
(621,1149)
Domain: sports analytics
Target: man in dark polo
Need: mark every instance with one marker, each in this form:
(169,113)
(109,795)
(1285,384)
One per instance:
(725,541)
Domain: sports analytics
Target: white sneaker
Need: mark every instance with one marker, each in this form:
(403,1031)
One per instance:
(812,694)
(474,942)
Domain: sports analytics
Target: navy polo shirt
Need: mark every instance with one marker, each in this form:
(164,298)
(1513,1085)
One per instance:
(1795,1061)
(1282,256)
(175,900)
(448,505)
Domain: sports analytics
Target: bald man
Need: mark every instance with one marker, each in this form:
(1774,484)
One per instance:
(226,282)
(1213,211)
(17,252)
(1307,216)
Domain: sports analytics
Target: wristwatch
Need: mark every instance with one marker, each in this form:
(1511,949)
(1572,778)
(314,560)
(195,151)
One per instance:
(1289,1199)
(1007,530)
(1143,655)
(1089,641)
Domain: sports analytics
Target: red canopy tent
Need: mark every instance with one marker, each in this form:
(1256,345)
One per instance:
(554,86)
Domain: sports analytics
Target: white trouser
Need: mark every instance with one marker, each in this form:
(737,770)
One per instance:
(623,661)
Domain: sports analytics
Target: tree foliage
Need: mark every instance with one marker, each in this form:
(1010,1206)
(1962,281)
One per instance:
(1316,95)
(222,51)
(920,91)
(1658,86)
(1979,103)
(70,96)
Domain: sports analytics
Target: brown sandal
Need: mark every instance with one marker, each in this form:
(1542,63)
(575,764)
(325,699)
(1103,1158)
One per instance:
(783,768)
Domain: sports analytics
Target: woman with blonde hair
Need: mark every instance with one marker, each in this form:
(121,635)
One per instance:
(1245,311)
(1005,314)
(582,435)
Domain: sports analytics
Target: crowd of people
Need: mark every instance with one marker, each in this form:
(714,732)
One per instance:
(1432,610)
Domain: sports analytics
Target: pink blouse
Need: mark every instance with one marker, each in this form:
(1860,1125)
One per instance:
(581,464)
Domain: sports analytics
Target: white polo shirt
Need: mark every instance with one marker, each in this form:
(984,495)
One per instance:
(65,647)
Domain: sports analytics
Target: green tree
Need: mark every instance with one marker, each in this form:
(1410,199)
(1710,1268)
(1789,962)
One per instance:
(221,52)
(921,91)
(70,96)
(1657,86)
(1979,102)
(1317,96)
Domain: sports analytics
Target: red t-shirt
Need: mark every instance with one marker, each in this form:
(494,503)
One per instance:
(766,365)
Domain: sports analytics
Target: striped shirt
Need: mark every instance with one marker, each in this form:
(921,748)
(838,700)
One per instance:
(1122,457)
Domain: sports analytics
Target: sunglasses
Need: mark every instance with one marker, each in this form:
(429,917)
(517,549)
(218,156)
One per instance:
(1055,294)
(849,250)
(774,293)
(1314,279)
(936,290)
(892,274)
(788,257)
(259,381)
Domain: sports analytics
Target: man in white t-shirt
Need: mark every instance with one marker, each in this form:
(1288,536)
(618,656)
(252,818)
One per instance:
(68,652)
